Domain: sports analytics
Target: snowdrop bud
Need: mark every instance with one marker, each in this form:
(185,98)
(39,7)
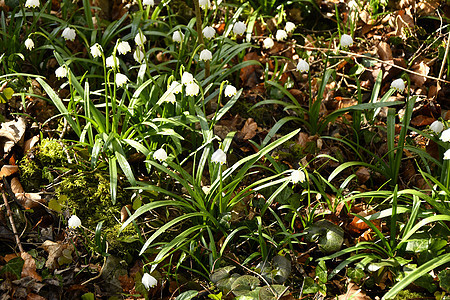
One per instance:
(205,4)
(148,2)
(74,222)
(346,40)
(205,55)
(187,78)
(69,34)
(302,66)
(177,37)
(32,3)
(289,27)
(149,281)
(111,62)
(445,135)
(138,55)
(297,176)
(209,32)
(140,39)
(160,154)
(268,43)
(239,28)
(398,85)
(61,72)
(437,127)
(96,50)
(29,44)
(123,48)
(281,35)
(192,89)
(176,87)
(219,157)
(447,154)
(121,79)
(230,91)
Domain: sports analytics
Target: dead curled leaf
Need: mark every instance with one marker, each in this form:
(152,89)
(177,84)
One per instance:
(354,293)
(249,130)
(56,251)
(421,68)
(29,267)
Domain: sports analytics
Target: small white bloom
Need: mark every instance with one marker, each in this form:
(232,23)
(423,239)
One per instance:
(230,91)
(445,135)
(74,222)
(187,78)
(346,40)
(239,28)
(138,55)
(121,79)
(160,154)
(289,27)
(281,35)
(437,127)
(123,48)
(171,98)
(192,89)
(209,32)
(149,281)
(373,268)
(29,44)
(268,43)
(205,4)
(140,39)
(297,176)
(96,50)
(61,72)
(447,154)
(398,85)
(32,3)
(111,62)
(177,37)
(205,55)
(352,5)
(176,87)
(69,34)
(302,66)
(148,2)
(219,157)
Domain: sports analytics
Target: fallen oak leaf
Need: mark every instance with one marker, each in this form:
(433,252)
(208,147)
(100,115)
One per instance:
(29,267)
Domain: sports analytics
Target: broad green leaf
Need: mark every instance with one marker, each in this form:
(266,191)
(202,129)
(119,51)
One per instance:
(244,284)
(188,295)
(14,267)
(444,279)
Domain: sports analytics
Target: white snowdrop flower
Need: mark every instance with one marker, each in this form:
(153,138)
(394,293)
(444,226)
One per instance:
(302,66)
(398,85)
(140,39)
(239,28)
(148,2)
(445,135)
(160,154)
(219,157)
(373,268)
(177,37)
(148,280)
(352,5)
(176,87)
(268,43)
(121,79)
(204,4)
(192,89)
(170,98)
(111,62)
(74,222)
(96,50)
(297,176)
(205,55)
(281,35)
(289,27)
(29,44)
(346,40)
(230,91)
(138,55)
(69,34)
(32,3)
(447,154)
(61,72)
(209,32)
(437,127)
(123,48)
(187,78)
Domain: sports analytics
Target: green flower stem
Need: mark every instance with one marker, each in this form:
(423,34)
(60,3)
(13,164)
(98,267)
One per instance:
(198,19)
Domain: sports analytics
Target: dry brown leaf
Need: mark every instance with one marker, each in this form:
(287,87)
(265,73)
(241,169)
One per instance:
(29,267)
(427,7)
(12,133)
(30,143)
(403,22)
(422,120)
(126,282)
(124,213)
(363,175)
(354,293)
(384,51)
(421,68)
(55,251)
(8,170)
(249,130)
(32,296)
(16,186)
(29,200)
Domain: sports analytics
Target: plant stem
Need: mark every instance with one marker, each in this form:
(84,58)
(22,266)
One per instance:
(198,19)
(11,220)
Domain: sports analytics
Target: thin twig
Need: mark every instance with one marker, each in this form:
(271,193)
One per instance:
(11,220)
(443,62)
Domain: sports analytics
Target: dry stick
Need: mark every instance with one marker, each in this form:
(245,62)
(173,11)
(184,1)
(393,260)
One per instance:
(378,60)
(11,220)
(198,20)
(443,63)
